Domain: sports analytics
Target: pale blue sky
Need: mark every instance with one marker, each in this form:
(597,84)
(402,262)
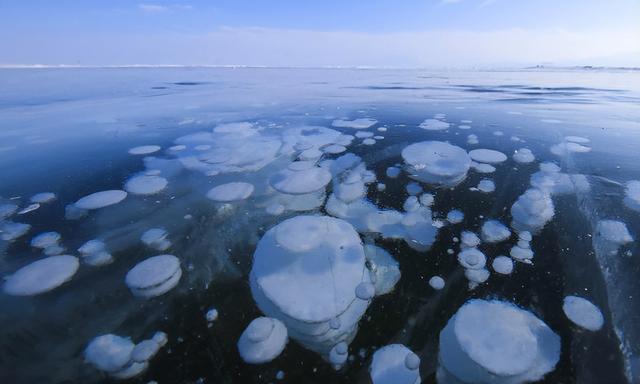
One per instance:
(437,33)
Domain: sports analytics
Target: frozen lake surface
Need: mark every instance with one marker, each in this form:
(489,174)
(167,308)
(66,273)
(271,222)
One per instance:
(219,225)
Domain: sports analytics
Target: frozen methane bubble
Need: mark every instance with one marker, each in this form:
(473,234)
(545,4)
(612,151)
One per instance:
(469,239)
(393,172)
(455,216)
(228,192)
(632,195)
(305,272)
(41,276)
(339,354)
(109,353)
(472,139)
(145,185)
(154,276)
(156,238)
(384,267)
(363,134)
(119,357)
(532,210)
(486,186)
(523,254)
(472,258)
(300,182)
(482,168)
(94,253)
(614,231)
(362,123)
(496,342)
(10,231)
(144,150)
(434,125)
(488,156)
(494,231)
(334,149)
(395,364)
(212,315)
(436,282)
(502,265)
(8,209)
(414,189)
(368,141)
(45,240)
(436,162)
(43,197)
(523,156)
(262,341)
(101,199)
(583,313)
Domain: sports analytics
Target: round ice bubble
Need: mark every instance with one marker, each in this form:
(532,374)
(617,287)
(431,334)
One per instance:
(583,313)
(154,276)
(229,192)
(436,162)
(488,156)
(101,199)
(262,341)
(41,276)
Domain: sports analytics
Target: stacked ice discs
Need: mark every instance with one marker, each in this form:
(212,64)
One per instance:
(154,276)
(306,271)
(262,341)
(496,342)
(436,162)
(395,364)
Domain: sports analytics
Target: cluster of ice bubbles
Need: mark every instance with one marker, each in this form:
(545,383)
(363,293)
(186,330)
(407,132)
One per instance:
(311,274)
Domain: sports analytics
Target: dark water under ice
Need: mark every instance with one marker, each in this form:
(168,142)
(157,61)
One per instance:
(68,131)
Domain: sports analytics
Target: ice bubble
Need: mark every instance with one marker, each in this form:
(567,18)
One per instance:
(363,134)
(565,148)
(362,123)
(29,208)
(502,265)
(94,253)
(365,291)
(395,364)
(486,186)
(145,185)
(525,235)
(109,353)
(381,187)
(577,139)
(472,139)
(145,350)
(455,216)
(482,168)
(476,276)
(393,172)
(469,239)
(436,162)
(436,282)
(177,148)
(464,126)
(10,231)
(262,341)
(280,375)
(212,315)
(154,276)
(489,156)
(300,182)
(496,342)
(275,209)
(41,276)
(614,231)
(43,197)
(472,258)
(382,129)
(6,210)
(583,313)
(310,154)
(101,199)
(144,150)
(45,240)
(414,189)
(532,210)
(349,191)
(229,192)
(368,141)
(339,354)
(386,268)
(521,254)
(426,199)
(494,231)
(156,238)
(305,273)
(632,195)
(334,149)
(434,125)
(523,155)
